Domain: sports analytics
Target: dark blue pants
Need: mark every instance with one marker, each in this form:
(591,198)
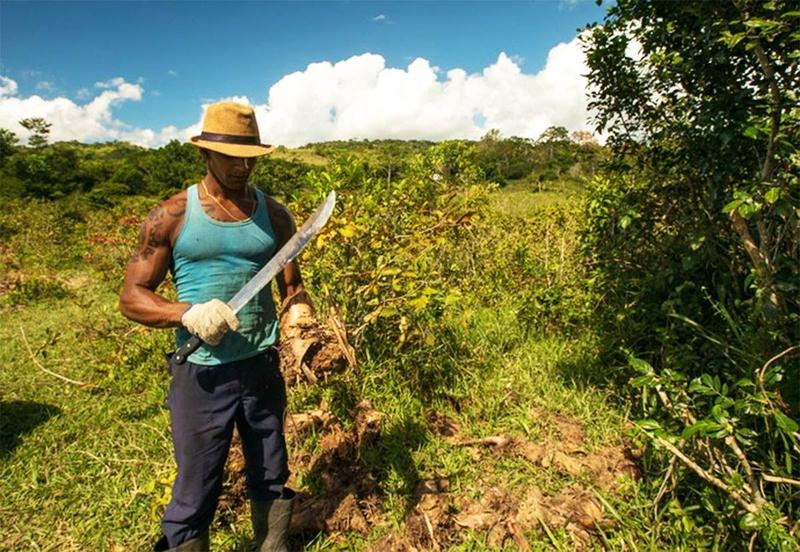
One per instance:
(204,403)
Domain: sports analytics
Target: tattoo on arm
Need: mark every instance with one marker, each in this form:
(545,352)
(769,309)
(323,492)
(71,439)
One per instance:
(155,228)
(177,208)
(150,237)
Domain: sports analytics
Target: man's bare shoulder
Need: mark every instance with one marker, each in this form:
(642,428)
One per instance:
(165,219)
(279,214)
(175,205)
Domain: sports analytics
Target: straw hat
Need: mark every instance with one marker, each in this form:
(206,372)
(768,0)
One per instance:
(231,128)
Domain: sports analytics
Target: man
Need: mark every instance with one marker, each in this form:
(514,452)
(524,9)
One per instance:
(213,237)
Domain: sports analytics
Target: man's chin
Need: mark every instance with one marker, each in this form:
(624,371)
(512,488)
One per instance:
(236,182)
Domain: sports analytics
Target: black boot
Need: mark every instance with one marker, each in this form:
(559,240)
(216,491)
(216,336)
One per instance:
(197,544)
(271,523)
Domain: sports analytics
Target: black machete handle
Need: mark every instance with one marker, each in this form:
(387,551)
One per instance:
(187,349)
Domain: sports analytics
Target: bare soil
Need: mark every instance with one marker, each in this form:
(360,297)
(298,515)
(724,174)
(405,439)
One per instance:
(348,497)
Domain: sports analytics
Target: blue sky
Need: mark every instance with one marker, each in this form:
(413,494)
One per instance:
(184,54)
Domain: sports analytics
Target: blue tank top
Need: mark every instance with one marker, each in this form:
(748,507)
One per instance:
(213,259)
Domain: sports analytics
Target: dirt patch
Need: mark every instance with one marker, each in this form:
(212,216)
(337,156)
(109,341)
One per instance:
(606,468)
(8,284)
(568,431)
(348,497)
(343,496)
(300,423)
(429,525)
(442,425)
(503,515)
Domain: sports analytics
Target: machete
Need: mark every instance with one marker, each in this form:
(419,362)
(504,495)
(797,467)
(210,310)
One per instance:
(287,253)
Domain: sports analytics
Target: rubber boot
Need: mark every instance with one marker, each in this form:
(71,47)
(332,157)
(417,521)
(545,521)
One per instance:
(197,544)
(271,523)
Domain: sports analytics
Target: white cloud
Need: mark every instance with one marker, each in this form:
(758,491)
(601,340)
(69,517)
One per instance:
(379,17)
(47,86)
(359,97)
(8,87)
(89,122)
(111,83)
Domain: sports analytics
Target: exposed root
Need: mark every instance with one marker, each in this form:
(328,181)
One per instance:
(326,352)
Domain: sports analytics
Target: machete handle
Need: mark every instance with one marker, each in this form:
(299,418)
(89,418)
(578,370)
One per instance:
(187,349)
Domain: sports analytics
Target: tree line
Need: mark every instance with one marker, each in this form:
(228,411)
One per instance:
(106,171)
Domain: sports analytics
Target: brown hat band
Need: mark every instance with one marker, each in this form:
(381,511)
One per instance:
(230,139)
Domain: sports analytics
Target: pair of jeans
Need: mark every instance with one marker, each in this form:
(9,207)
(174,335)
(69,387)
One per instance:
(204,404)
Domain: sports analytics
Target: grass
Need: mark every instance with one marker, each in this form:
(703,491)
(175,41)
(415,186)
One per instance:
(91,468)
(521,198)
(301,155)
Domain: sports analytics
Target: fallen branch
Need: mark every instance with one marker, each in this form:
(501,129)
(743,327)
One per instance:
(664,483)
(45,370)
(703,474)
(777,479)
(762,372)
(758,499)
(339,329)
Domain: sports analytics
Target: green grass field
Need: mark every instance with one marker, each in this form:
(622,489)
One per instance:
(520,449)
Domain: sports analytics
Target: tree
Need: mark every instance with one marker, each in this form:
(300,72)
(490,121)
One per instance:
(584,138)
(170,168)
(40,130)
(696,235)
(8,143)
(554,135)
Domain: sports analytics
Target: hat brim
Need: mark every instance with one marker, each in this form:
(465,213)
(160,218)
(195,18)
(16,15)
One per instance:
(234,150)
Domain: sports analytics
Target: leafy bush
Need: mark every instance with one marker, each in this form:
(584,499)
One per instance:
(278,177)
(692,243)
(390,235)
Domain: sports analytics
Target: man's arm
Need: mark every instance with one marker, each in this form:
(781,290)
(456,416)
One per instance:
(290,283)
(148,267)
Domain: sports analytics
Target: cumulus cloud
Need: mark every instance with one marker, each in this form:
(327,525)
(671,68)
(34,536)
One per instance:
(361,97)
(89,122)
(356,98)
(379,17)
(8,87)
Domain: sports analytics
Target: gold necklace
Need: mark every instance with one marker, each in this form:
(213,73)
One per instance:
(221,206)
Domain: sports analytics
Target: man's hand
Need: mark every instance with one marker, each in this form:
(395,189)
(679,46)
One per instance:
(209,321)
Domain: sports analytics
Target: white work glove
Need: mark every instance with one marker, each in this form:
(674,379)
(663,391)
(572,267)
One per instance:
(209,321)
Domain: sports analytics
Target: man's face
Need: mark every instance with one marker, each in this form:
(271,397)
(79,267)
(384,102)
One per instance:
(230,172)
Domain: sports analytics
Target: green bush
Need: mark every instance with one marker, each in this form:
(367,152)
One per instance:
(690,240)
